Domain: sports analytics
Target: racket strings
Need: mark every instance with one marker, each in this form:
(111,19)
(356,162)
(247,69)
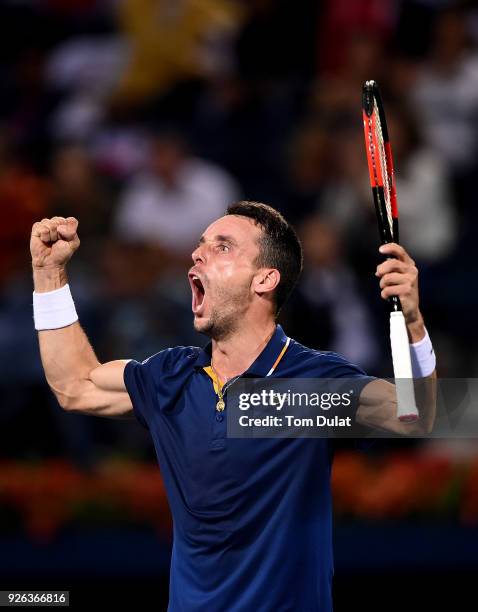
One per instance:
(383,164)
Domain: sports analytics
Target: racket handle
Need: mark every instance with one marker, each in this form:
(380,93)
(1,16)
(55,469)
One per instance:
(402,368)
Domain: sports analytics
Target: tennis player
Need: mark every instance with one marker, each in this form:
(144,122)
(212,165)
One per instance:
(252,517)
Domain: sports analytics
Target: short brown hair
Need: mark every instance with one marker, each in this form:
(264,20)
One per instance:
(280,247)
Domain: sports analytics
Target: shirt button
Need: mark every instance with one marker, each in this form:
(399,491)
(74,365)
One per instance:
(218,417)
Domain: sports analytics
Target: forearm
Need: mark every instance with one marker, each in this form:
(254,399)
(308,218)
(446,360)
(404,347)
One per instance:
(379,400)
(378,407)
(67,356)
(416,329)
(426,398)
(423,362)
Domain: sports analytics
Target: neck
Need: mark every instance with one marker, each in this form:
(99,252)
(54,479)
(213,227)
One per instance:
(235,354)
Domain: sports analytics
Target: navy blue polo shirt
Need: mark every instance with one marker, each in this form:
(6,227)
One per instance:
(252,517)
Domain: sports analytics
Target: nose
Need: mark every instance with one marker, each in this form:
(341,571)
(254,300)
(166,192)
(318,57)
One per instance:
(198,255)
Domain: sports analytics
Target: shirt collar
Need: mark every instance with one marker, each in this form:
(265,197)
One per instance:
(264,361)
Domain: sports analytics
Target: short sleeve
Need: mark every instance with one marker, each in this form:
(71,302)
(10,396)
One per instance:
(356,379)
(139,379)
(347,377)
(154,384)
(339,367)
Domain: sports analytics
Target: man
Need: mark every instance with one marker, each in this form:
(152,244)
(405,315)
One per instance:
(252,517)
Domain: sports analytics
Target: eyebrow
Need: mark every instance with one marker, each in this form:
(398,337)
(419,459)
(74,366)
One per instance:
(219,238)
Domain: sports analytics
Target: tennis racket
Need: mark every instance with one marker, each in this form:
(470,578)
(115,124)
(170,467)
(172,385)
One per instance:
(380,166)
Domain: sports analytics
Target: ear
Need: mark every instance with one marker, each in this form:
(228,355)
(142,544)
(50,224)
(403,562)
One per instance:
(266,280)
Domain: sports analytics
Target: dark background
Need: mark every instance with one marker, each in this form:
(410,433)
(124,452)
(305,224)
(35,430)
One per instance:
(144,119)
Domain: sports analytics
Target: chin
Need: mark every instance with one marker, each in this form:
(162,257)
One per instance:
(203,325)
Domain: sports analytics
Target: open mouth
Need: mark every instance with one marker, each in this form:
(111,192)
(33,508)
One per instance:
(198,293)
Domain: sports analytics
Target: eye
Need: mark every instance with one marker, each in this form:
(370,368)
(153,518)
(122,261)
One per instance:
(224,248)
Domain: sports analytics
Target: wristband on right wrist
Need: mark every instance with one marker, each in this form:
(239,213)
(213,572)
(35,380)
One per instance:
(54,309)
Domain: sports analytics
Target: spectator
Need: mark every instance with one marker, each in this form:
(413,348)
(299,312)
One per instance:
(446,92)
(427,219)
(23,198)
(84,71)
(171,202)
(307,169)
(426,205)
(327,310)
(349,29)
(173,41)
(77,191)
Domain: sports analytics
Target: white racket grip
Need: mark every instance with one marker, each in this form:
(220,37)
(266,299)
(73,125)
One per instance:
(402,368)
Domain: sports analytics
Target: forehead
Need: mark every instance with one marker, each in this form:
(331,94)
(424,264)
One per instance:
(242,229)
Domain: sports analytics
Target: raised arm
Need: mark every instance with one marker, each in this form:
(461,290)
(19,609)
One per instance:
(377,408)
(76,377)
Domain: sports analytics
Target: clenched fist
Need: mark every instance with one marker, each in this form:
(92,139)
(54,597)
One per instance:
(53,242)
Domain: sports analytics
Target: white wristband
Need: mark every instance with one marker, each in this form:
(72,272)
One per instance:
(54,309)
(423,357)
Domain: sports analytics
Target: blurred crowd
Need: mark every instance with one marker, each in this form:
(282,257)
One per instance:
(144,119)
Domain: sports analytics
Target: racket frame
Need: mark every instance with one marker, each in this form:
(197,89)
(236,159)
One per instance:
(388,232)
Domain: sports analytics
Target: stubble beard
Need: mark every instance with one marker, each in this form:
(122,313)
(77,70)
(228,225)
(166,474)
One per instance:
(224,320)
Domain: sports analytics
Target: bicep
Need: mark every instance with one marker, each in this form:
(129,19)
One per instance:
(104,392)
(110,376)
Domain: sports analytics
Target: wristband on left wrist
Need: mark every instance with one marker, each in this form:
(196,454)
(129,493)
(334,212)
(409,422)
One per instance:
(423,357)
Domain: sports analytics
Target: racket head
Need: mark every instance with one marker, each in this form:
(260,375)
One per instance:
(380,162)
